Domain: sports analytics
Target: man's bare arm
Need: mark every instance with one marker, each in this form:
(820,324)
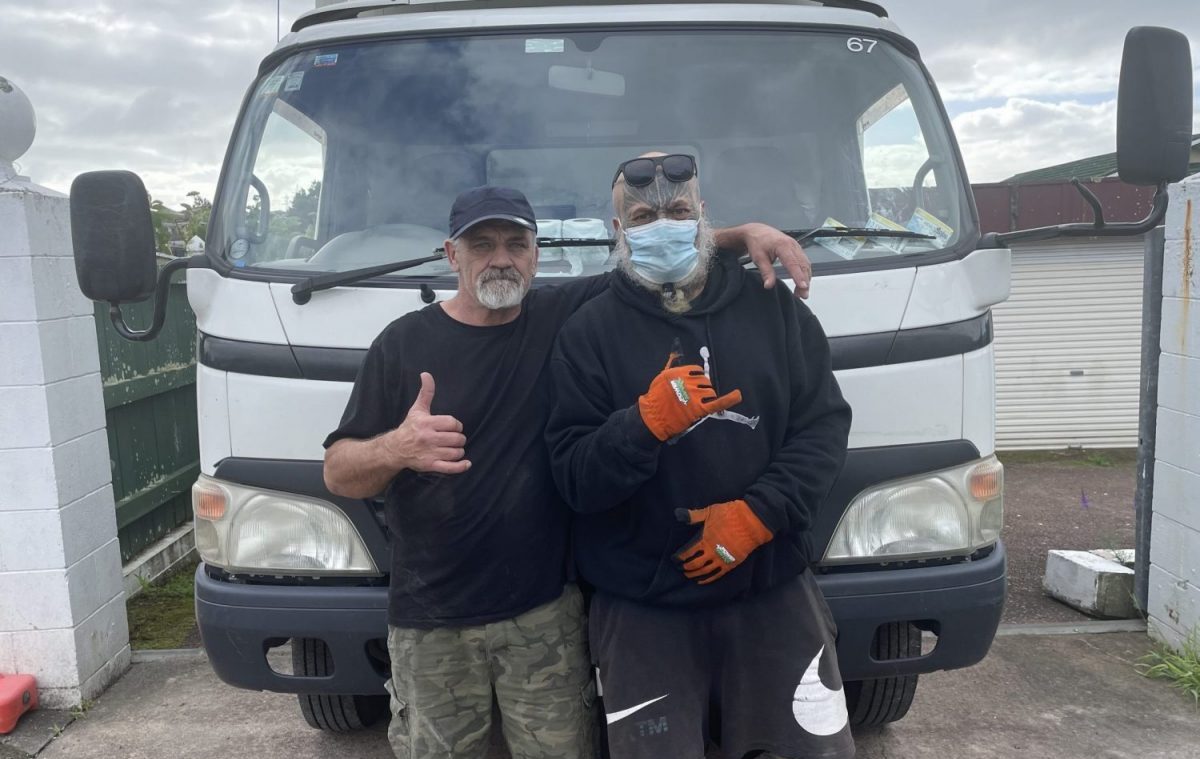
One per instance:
(766,246)
(423,443)
(359,468)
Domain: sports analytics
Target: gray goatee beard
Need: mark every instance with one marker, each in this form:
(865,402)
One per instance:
(497,289)
(679,300)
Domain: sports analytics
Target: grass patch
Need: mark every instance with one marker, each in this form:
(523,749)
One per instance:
(163,615)
(1107,457)
(1180,668)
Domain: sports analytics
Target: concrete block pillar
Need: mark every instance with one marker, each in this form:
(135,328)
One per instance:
(1174,581)
(62,606)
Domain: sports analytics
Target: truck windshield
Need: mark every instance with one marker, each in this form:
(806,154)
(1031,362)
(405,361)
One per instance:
(350,155)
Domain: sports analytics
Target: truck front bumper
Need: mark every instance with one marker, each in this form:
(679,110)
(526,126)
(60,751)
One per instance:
(960,603)
(240,623)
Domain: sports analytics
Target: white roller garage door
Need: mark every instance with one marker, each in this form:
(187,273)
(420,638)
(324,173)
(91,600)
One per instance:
(1068,346)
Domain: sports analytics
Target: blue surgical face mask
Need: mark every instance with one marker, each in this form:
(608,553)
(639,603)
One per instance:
(664,251)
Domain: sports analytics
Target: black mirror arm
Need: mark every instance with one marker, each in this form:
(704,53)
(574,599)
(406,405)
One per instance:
(1093,201)
(161,292)
(1099,228)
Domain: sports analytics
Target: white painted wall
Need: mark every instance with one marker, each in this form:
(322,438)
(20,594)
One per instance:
(62,607)
(1174,587)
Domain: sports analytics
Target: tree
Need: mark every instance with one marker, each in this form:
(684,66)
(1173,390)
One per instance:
(298,218)
(196,214)
(160,217)
(304,206)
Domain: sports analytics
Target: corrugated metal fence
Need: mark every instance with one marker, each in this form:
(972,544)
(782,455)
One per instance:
(150,405)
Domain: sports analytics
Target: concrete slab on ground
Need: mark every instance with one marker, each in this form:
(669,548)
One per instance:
(1092,583)
(1060,501)
(1063,696)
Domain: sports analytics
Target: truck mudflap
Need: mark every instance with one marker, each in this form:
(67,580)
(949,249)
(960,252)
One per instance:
(240,623)
(959,603)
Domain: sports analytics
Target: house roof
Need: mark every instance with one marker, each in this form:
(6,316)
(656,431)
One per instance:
(1093,168)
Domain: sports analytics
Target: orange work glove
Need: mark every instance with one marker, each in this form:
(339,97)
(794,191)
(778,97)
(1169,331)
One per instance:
(680,396)
(731,531)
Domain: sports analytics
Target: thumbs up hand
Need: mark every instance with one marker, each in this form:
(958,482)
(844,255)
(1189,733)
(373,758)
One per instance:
(425,442)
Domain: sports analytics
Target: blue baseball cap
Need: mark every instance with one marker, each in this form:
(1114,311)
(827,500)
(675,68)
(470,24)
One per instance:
(487,203)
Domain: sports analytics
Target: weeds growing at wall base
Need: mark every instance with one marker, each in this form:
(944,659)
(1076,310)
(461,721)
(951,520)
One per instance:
(1179,667)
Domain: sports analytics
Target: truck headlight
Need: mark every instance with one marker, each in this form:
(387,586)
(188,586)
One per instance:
(244,529)
(953,512)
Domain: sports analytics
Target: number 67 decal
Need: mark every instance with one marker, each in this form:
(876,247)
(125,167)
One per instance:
(860,44)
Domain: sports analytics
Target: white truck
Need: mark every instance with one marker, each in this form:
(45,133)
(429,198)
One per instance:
(816,117)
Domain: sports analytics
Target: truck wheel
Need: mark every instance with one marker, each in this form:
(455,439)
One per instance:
(872,703)
(337,714)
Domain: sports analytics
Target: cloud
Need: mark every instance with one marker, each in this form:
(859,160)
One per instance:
(1021,49)
(1054,66)
(155,86)
(1026,134)
(152,87)
(893,165)
(1010,72)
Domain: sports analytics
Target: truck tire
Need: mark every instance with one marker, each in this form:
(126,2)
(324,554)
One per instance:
(336,714)
(873,703)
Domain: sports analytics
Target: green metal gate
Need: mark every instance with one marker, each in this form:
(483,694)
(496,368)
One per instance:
(150,405)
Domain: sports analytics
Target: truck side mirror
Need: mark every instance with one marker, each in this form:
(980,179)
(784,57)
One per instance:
(113,236)
(1154,106)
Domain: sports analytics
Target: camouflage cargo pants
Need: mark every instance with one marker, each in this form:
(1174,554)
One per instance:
(537,665)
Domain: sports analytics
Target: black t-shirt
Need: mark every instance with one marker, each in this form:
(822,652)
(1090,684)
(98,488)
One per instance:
(490,543)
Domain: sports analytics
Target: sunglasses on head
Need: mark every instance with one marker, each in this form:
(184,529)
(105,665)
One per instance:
(639,172)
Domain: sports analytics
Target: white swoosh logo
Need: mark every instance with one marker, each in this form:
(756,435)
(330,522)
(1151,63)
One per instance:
(626,712)
(818,709)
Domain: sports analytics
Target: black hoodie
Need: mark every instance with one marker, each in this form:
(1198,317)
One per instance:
(781,451)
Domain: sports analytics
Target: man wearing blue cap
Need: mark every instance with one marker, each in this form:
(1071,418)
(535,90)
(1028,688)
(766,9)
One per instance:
(480,601)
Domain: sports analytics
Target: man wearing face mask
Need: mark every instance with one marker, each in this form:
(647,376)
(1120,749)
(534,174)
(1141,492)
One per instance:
(480,601)
(695,428)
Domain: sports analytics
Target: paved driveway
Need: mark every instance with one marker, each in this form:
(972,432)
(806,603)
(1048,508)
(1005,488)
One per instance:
(1062,696)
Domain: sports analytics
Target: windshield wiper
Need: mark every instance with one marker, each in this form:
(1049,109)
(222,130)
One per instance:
(802,235)
(302,291)
(571,242)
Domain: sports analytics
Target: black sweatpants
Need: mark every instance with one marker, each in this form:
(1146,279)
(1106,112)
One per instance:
(767,666)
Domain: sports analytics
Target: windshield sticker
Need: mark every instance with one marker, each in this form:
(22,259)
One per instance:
(927,224)
(846,247)
(544,46)
(328,59)
(294,80)
(894,244)
(271,85)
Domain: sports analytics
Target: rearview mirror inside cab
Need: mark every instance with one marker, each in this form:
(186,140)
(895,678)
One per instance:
(587,80)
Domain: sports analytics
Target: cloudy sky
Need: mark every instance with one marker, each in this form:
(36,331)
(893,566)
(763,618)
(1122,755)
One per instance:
(154,85)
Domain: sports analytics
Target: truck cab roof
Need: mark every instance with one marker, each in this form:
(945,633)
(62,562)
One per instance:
(364,18)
